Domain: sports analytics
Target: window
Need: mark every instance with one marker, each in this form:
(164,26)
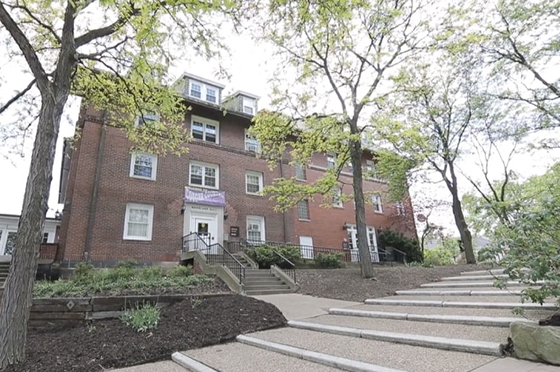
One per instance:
(196,90)
(401,211)
(10,243)
(138,222)
(143,166)
(255,229)
(253,182)
(300,172)
(205,175)
(204,129)
(303,210)
(377,206)
(248,106)
(331,160)
(203,91)
(45,238)
(371,171)
(251,143)
(372,239)
(146,119)
(211,95)
(337,197)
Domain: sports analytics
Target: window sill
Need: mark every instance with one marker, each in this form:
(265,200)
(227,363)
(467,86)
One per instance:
(143,178)
(217,143)
(137,238)
(338,206)
(203,187)
(253,194)
(298,180)
(378,212)
(303,220)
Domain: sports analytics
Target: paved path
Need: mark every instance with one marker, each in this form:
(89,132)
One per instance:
(431,331)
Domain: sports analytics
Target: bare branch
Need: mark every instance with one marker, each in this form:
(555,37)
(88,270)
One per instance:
(17,96)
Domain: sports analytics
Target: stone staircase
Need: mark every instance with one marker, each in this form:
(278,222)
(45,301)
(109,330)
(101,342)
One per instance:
(457,326)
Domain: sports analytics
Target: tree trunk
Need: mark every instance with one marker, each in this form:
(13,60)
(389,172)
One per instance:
(363,246)
(464,232)
(18,291)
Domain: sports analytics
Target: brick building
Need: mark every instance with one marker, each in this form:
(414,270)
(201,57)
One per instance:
(120,205)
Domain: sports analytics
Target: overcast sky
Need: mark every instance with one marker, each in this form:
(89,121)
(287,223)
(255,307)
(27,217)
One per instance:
(250,67)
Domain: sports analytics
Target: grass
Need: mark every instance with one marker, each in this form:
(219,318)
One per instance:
(142,318)
(88,281)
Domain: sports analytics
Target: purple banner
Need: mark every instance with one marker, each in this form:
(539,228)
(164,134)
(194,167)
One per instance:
(204,196)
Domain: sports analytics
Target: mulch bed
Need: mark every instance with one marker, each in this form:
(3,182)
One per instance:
(111,344)
(348,284)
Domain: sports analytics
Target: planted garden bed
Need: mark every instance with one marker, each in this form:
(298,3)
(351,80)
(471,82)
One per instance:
(185,325)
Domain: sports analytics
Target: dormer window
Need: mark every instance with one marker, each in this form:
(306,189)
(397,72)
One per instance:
(203,91)
(146,119)
(249,106)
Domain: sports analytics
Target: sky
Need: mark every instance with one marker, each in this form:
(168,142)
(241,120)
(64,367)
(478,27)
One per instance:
(250,66)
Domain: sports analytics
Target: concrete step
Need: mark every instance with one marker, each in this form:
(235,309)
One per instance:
(483,272)
(420,327)
(258,292)
(460,292)
(487,321)
(474,277)
(461,298)
(473,284)
(529,314)
(463,304)
(252,282)
(241,357)
(388,354)
(259,287)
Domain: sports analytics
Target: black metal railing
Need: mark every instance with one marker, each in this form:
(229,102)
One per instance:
(287,266)
(215,254)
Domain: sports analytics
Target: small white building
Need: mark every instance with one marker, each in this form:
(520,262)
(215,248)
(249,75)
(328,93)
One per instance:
(8,232)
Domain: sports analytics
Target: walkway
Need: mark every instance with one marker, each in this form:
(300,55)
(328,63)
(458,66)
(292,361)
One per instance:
(459,324)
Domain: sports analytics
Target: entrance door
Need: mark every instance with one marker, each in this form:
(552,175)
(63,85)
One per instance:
(306,246)
(207,230)
(353,243)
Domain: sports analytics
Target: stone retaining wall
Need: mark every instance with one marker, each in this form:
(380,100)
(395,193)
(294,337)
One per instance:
(49,312)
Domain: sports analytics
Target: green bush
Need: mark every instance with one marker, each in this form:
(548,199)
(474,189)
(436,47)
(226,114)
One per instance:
(120,273)
(142,318)
(439,256)
(129,264)
(84,271)
(265,257)
(329,260)
(150,273)
(180,271)
(396,239)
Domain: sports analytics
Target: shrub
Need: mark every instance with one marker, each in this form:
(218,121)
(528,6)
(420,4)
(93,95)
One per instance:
(129,264)
(439,256)
(142,318)
(180,271)
(84,271)
(151,273)
(121,273)
(396,239)
(329,260)
(265,257)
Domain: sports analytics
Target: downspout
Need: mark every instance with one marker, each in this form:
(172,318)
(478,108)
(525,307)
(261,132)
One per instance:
(94,193)
(284,216)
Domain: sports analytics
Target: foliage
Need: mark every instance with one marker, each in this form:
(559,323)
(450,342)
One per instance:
(128,264)
(142,318)
(443,254)
(265,255)
(120,279)
(527,243)
(180,271)
(329,260)
(84,271)
(396,239)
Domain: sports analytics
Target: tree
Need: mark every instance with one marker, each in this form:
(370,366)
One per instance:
(342,53)
(113,53)
(427,129)
(526,243)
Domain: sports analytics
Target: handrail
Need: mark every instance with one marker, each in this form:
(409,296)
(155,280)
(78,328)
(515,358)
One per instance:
(292,270)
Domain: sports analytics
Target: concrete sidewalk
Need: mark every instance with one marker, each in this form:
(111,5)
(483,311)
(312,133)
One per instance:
(297,306)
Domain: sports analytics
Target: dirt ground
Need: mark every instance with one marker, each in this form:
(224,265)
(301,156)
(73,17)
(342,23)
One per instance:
(112,344)
(348,284)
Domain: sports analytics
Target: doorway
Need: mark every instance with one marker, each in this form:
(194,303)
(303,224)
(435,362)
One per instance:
(306,247)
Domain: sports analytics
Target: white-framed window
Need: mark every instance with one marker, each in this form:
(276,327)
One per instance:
(203,91)
(248,105)
(372,238)
(303,210)
(143,165)
(255,229)
(204,175)
(401,210)
(253,183)
(377,204)
(337,197)
(146,119)
(251,143)
(138,222)
(301,173)
(45,238)
(331,160)
(205,129)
